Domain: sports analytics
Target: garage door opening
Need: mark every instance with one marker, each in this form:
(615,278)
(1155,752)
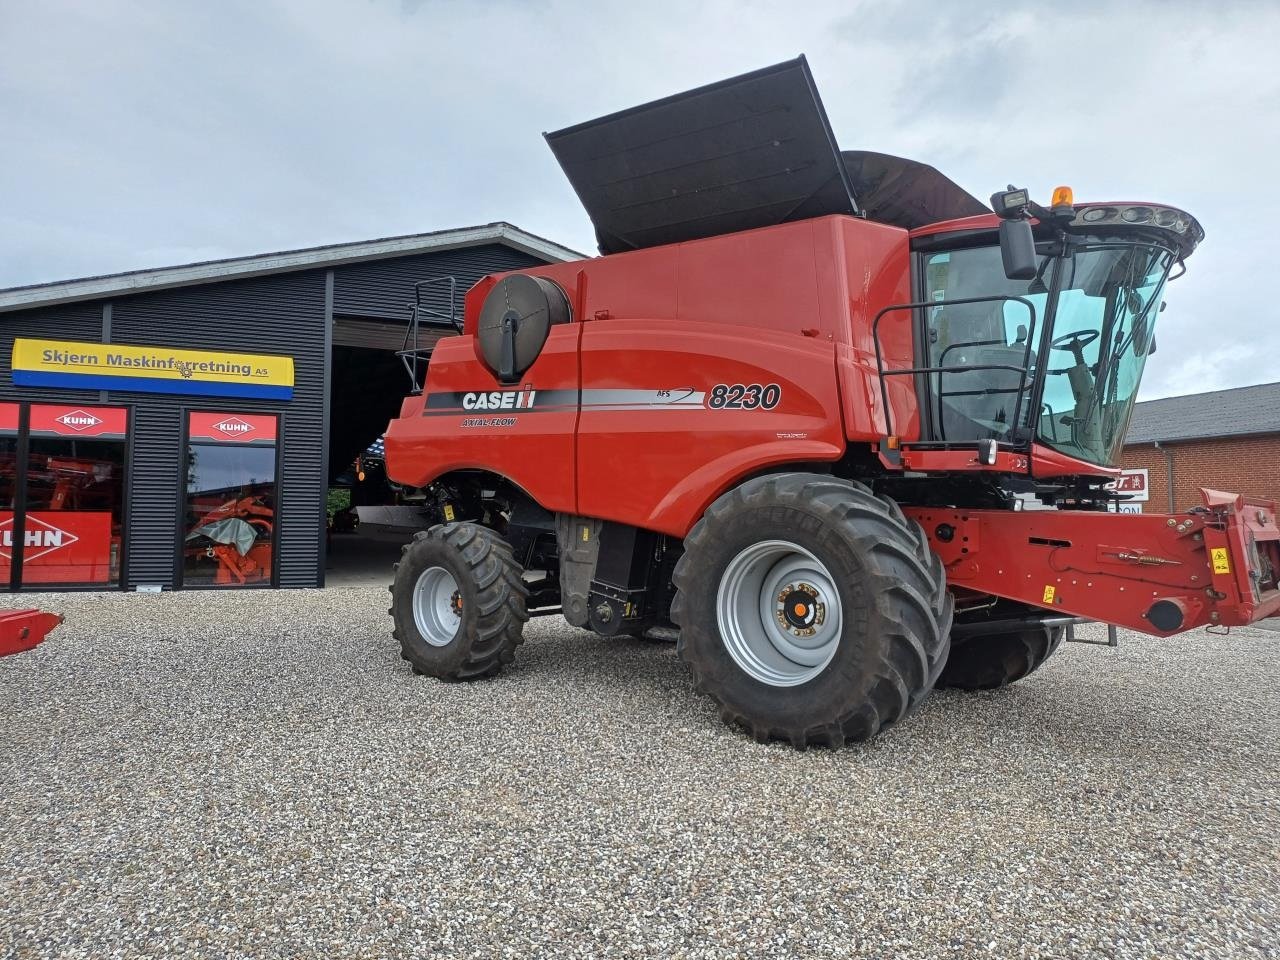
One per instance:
(369,380)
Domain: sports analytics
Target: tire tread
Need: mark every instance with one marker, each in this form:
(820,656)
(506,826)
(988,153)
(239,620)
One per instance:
(911,607)
(497,629)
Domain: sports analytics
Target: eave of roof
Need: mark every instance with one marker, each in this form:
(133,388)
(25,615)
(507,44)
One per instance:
(211,271)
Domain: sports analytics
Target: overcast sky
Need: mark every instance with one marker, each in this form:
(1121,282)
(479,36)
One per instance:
(143,134)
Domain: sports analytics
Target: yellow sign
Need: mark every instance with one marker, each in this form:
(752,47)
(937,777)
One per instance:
(1220,562)
(115,366)
(1049,592)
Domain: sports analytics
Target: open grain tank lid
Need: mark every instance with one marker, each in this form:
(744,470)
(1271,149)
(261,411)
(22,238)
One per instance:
(752,151)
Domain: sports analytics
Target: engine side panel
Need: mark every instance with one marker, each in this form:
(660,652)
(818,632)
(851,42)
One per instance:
(675,413)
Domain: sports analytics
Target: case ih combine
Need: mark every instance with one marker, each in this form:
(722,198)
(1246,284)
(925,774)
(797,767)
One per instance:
(792,414)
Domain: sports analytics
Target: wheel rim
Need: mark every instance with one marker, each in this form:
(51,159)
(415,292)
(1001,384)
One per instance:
(437,606)
(779,613)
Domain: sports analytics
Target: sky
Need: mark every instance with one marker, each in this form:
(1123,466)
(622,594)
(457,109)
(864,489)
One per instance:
(145,134)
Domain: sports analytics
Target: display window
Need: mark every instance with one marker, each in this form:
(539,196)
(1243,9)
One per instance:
(9,414)
(62,494)
(231,497)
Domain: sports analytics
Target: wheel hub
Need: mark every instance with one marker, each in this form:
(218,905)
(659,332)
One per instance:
(437,606)
(800,609)
(779,614)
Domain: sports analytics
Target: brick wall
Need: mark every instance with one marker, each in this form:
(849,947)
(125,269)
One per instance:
(1248,465)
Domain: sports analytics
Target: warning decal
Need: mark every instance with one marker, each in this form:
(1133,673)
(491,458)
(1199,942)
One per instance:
(1220,562)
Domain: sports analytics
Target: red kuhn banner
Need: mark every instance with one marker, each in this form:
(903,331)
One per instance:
(100,423)
(59,546)
(232,428)
(8,418)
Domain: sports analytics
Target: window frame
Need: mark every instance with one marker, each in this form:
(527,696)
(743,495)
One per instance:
(22,453)
(180,510)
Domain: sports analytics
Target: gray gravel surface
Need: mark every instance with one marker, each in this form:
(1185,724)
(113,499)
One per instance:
(258,774)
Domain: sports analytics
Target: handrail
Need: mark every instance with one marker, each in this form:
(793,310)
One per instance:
(421,314)
(1024,370)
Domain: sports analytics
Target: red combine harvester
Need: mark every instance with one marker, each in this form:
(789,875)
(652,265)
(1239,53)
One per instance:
(796,413)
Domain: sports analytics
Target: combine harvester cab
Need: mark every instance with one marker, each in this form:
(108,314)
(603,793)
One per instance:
(791,417)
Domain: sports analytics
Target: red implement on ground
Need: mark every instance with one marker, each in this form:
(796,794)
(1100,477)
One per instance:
(22,630)
(846,431)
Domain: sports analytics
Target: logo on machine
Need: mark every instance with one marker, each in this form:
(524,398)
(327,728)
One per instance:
(78,420)
(499,400)
(233,427)
(40,537)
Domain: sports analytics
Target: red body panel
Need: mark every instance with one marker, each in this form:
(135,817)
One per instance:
(658,461)
(1042,462)
(534,451)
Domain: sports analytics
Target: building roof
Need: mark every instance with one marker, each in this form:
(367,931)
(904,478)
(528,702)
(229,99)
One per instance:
(1202,416)
(209,271)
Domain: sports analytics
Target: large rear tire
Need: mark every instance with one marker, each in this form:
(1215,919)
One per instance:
(811,610)
(458,602)
(989,662)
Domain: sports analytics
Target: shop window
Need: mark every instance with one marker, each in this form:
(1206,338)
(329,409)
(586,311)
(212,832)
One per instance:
(231,497)
(62,505)
(8,471)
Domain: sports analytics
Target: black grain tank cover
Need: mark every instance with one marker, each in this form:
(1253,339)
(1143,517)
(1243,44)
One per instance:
(907,193)
(752,151)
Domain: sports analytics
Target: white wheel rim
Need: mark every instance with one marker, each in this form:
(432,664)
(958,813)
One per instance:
(437,606)
(779,613)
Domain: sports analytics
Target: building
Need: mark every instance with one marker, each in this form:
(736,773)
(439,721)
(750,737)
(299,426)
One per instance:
(180,427)
(1226,440)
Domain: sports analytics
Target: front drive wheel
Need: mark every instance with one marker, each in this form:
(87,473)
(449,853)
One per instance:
(991,662)
(811,609)
(458,602)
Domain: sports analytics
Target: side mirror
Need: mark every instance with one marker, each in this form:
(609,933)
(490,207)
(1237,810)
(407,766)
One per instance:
(1018,249)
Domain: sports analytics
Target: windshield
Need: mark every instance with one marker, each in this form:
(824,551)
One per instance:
(1106,297)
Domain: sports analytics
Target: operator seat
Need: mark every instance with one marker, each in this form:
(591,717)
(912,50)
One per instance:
(975,404)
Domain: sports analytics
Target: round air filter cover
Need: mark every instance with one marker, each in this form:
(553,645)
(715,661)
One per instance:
(533,304)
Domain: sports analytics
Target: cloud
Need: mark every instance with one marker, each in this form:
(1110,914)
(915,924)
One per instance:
(137,131)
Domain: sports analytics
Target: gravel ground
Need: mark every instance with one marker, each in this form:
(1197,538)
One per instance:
(259,775)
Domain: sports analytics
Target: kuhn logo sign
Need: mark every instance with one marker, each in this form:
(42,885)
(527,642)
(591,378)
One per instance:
(233,427)
(39,538)
(79,420)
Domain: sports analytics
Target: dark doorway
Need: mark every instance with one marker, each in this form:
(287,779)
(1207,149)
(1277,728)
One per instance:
(368,385)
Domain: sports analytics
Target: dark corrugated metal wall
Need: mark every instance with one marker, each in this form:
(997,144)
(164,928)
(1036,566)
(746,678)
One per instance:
(384,288)
(75,321)
(280,313)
